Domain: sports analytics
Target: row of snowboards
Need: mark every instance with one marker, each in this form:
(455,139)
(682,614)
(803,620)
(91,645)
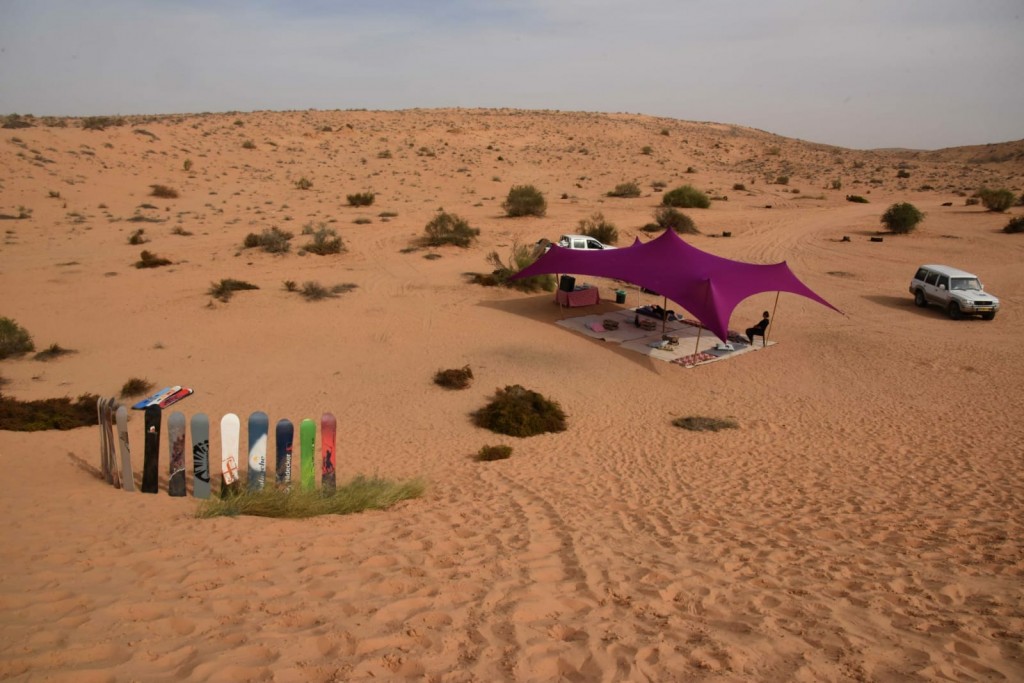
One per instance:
(118,471)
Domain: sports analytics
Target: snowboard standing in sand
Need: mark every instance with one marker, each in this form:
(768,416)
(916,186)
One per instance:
(259,424)
(200,425)
(127,476)
(284,434)
(176,444)
(230,426)
(328,432)
(151,459)
(307,453)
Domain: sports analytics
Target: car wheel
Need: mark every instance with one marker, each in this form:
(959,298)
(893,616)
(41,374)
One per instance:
(988,316)
(954,311)
(919,299)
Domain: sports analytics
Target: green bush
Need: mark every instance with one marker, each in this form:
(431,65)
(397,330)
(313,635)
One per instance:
(361,198)
(782,180)
(136,386)
(226,288)
(667,218)
(491,453)
(49,413)
(856,199)
(150,260)
(902,218)
(686,197)
(454,378)
(1015,225)
(14,339)
(52,351)
(625,190)
(248,144)
(448,228)
(739,187)
(525,200)
(274,241)
(325,241)
(902,173)
(997,200)
(522,256)
(600,229)
(101,122)
(163,191)
(361,493)
(695,423)
(516,411)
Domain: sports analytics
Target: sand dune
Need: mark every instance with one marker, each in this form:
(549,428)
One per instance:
(863,523)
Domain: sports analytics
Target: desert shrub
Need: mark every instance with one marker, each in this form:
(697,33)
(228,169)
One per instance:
(148,259)
(178,230)
(248,144)
(525,200)
(667,218)
(101,122)
(49,413)
(647,150)
(136,386)
(187,165)
(325,241)
(517,411)
(695,423)
(360,198)
(625,190)
(997,200)
(972,201)
(14,339)
(14,121)
(739,187)
(491,453)
(52,351)
(454,378)
(856,199)
(782,180)
(226,288)
(274,241)
(837,184)
(598,228)
(686,197)
(361,493)
(902,218)
(448,228)
(1015,225)
(303,183)
(138,237)
(163,192)
(658,185)
(314,291)
(521,257)
(902,173)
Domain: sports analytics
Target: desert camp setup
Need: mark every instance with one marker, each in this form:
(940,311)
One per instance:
(707,286)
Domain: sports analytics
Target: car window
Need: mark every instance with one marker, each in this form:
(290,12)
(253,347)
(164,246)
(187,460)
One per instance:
(594,244)
(965,283)
(932,278)
(921,274)
(944,281)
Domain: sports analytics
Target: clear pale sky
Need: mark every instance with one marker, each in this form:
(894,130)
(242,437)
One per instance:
(857,73)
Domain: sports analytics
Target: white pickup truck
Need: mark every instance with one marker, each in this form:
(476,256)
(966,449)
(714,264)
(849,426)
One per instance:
(581,242)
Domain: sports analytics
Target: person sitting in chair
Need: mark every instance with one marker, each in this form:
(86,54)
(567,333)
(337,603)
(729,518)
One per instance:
(759,329)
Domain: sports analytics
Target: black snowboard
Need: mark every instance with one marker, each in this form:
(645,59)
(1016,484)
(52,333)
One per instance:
(151,460)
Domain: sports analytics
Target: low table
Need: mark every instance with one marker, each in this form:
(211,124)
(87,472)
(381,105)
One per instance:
(587,296)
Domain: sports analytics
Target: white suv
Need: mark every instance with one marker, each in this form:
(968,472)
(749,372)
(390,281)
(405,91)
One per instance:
(958,292)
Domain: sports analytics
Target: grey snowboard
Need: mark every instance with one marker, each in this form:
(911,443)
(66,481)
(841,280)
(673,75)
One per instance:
(200,425)
(176,447)
(127,476)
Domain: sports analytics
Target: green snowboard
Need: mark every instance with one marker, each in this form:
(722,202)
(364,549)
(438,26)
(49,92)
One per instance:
(307,444)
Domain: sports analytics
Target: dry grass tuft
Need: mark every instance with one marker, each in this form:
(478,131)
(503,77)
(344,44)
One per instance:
(362,493)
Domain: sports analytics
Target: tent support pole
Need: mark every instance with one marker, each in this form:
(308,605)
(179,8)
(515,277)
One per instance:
(696,346)
(664,313)
(772,321)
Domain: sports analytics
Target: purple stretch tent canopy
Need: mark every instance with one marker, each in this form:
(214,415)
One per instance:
(708,286)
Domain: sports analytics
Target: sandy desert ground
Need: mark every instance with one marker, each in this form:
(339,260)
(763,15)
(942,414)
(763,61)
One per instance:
(864,523)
